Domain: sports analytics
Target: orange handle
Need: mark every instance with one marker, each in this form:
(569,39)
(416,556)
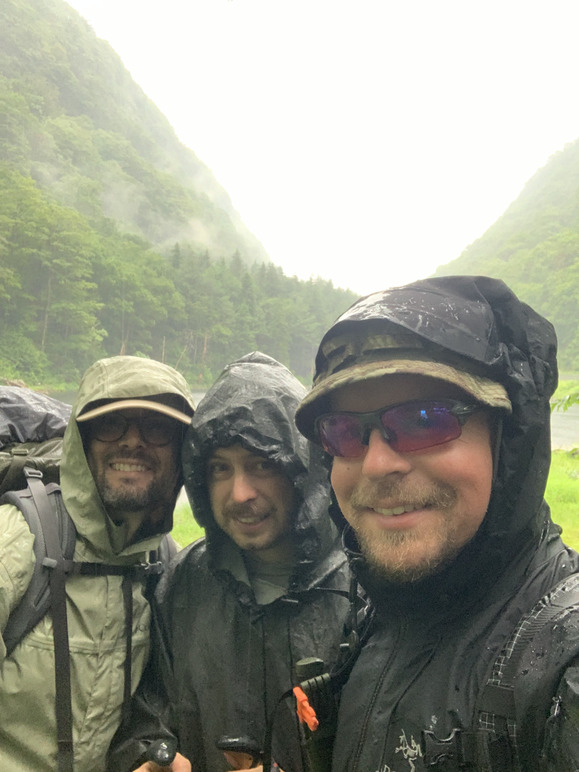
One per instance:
(306,714)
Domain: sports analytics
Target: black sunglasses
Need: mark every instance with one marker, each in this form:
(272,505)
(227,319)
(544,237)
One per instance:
(154,429)
(406,427)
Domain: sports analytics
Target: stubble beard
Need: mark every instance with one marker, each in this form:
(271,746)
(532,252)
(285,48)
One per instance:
(404,556)
(249,509)
(125,497)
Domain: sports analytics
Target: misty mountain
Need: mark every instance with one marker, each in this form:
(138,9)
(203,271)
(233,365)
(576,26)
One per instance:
(114,237)
(534,248)
(74,120)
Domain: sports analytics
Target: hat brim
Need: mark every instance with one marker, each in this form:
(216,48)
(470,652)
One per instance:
(482,389)
(144,404)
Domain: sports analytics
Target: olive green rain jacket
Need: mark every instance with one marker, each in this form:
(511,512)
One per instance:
(96,616)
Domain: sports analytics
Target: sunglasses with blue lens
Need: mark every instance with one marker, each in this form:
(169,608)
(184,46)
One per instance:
(406,427)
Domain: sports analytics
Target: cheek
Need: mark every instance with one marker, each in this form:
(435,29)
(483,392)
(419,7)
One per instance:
(170,465)
(92,460)
(284,493)
(343,479)
(471,475)
(212,491)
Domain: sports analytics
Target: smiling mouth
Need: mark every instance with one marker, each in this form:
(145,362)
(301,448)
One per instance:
(396,510)
(126,467)
(250,520)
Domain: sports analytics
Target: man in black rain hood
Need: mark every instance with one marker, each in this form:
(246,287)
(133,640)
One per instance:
(432,401)
(268,584)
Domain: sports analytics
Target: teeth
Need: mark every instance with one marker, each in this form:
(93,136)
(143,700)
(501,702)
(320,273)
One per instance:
(129,467)
(250,520)
(394,511)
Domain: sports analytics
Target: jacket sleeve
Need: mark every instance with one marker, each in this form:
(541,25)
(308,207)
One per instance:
(16,563)
(147,731)
(561,751)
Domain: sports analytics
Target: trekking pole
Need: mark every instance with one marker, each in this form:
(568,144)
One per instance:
(318,713)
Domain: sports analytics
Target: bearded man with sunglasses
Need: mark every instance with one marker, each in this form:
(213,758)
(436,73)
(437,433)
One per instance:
(432,403)
(120,478)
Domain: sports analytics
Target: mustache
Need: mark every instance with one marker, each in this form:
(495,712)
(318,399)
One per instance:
(372,494)
(131,455)
(244,509)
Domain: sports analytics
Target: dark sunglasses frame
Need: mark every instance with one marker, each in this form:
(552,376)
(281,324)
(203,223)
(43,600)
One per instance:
(366,422)
(97,425)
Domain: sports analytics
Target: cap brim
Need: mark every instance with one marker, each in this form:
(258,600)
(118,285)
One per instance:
(480,388)
(144,404)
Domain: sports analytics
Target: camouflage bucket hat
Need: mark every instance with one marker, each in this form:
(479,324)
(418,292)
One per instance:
(379,355)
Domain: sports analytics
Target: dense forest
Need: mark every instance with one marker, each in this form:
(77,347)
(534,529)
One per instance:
(70,293)
(114,237)
(534,247)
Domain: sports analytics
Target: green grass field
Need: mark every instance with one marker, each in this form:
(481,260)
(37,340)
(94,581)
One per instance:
(185,528)
(562,495)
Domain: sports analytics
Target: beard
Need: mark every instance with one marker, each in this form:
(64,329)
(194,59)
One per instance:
(405,556)
(124,497)
(273,537)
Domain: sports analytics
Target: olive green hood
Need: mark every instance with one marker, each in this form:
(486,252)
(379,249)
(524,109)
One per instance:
(120,377)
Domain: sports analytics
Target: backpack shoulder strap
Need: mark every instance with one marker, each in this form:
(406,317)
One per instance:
(498,694)
(36,599)
(494,742)
(48,522)
(54,545)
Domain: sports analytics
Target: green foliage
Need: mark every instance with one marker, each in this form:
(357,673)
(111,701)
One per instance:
(563,494)
(19,357)
(534,248)
(114,238)
(74,289)
(565,402)
(185,528)
(566,395)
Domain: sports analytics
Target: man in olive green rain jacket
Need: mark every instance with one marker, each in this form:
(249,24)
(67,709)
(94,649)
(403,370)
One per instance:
(120,477)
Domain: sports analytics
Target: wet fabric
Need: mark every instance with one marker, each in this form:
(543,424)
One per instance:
(28,416)
(229,658)
(96,615)
(435,641)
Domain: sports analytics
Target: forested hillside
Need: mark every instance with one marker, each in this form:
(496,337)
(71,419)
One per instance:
(534,247)
(114,237)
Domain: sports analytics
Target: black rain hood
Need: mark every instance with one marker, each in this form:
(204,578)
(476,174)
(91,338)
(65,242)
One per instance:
(478,325)
(253,404)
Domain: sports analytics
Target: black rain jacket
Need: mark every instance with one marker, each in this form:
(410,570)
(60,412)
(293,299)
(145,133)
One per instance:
(228,659)
(434,642)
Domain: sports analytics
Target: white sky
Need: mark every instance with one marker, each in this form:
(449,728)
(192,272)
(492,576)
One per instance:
(363,141)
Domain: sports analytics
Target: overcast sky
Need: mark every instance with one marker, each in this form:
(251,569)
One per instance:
(363,141)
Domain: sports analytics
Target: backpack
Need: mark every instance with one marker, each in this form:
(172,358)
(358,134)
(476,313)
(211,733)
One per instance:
(498,742)
(30,447)
(50,524)
(31,430)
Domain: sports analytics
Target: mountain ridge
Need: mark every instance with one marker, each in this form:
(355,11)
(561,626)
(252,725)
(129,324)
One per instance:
(534,247)
(98,143)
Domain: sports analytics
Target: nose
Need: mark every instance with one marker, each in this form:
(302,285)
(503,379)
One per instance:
(132,437)
(381,459)
(242,490)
